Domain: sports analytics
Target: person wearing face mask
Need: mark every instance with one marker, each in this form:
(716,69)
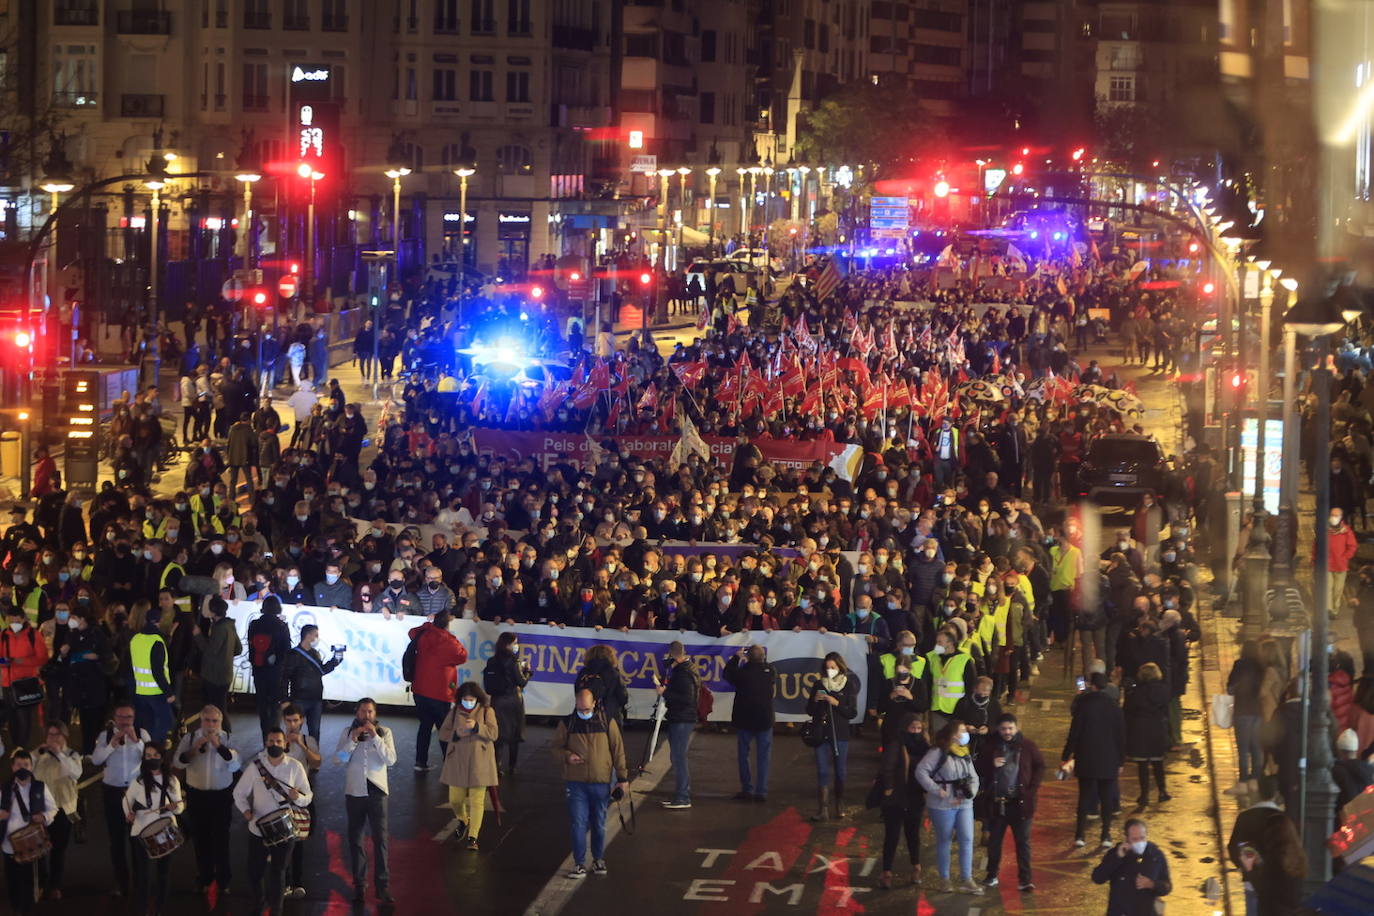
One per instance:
(269,641)
(59,768)
(85,656)
(1138,872)
(302,677)
(155,794)
(23,653)
(950,780)
(334,591)
(832,705)
(218,644)
(273,780)
(1011,768)
(437,655)
(680,692)
(903,800)
(906,681)
(396,599)
(952,676)
(434,596)
(471,731)
(24,800)
(872,629)
(979,711)
(924,575)
(1341,546)
(589,747)
(752,717)
(504,678)
(601,675)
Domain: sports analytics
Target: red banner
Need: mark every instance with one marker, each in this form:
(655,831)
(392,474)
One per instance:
(550,448)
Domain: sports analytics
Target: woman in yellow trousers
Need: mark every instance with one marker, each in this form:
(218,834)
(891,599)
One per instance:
(470,764)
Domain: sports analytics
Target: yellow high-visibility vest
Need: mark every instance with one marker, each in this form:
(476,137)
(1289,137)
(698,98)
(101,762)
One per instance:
(141,658)
(948,675)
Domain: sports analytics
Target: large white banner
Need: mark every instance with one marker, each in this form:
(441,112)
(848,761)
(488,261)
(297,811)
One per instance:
(372,662)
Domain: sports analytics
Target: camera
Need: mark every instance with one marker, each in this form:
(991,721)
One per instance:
(338,650)
(617,794)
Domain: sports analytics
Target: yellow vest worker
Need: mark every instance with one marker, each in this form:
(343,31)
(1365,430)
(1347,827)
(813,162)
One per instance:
(148,658)
(948,672)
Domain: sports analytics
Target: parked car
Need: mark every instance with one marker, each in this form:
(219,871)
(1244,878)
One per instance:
(1121,465)
(756,257)
(722,266)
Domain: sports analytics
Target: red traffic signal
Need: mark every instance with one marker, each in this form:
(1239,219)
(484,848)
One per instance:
(1017,169)
(942,188)
(1237,381)
(259,297)
(1192,247)
(536,292)
(1208,288)
(646,278)
(575,276)
(1078,154)
(22,339)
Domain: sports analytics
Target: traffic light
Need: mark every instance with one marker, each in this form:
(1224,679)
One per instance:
(1078,154)
(942,188)
(22,339)
(575,276)
(1236,380)
(536,292)
(1208,288)
(646,278)
(1192,247)
(259,297)
(1017,169)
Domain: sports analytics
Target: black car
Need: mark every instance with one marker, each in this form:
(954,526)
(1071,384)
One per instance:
(1121,463)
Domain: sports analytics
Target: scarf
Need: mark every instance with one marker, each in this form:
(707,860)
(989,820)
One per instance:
(958,750)
(834,684)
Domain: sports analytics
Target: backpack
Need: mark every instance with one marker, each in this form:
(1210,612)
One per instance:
(706,702)
(494,680)
(409,658)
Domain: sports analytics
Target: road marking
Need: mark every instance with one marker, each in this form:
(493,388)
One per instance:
(559,890)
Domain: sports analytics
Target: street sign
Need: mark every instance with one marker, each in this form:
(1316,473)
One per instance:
(288,286)
(232,290)
(888,217)
(648,164)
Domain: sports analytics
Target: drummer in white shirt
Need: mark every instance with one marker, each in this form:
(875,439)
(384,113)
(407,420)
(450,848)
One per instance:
(19,807)
(272,782)
(152,796)
(119,749)
(301,747)
(58,767)
(210,760)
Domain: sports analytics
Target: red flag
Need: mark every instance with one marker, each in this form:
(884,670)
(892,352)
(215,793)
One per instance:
(649,399)
(793,382)
(600,377)
(873,400)
(773,401)
(899,395)
(585,396)
(479,399)
(755,386)
(890,345)
(803,334)
(811,404)
(690,374)
(828,281)
(996,368)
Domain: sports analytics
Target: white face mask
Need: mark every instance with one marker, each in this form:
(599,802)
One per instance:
(1138,847)
(832,672)
(469,702)
(16,627)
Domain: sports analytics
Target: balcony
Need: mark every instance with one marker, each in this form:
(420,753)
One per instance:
(140,105)
(257,19)
(574,39)
(335,24)
(484,27)
(143,22)
(296,23)
(73,15)
(74,98)
(255,103)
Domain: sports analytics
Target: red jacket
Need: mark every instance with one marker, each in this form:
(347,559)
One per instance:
(26,653)
(437,658)
(1340,550)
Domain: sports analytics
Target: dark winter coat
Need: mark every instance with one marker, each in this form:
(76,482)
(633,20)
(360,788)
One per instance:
(1097,737)
(1125,899)
(1147,721)
(753,683)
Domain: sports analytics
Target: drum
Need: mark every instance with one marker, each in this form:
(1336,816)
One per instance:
(161,838)
(301,817)
(30,843)
(278,827)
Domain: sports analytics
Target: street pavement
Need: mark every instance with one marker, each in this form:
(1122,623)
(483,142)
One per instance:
(723,856)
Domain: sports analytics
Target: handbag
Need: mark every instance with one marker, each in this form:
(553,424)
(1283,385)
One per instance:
(26,691)
(1223,710)
(811,734)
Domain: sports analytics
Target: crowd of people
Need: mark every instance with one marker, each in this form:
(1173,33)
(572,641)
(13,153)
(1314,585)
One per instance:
(954,552)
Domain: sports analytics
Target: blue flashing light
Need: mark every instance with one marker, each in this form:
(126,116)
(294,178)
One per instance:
(1035,234)
(1060,236)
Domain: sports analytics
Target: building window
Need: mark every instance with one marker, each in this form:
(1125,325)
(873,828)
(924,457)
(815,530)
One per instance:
(708,46)
(514,159)
(74,79)
(641,44)
(257,14)
(76,12)
(412,91)
(824,40)
(445,85)
(483,19)
(445,17)
(940,22)
(1122,89)
(296,16)
(518,86)
(479,86)
(518,17)
(221,85)
(708,107)
(809,35)
(939,54)
(413,155)
(255,92)
(334,16)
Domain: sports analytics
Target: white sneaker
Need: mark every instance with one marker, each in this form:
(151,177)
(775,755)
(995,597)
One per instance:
(1035,670)
(1106,843)
(579,872)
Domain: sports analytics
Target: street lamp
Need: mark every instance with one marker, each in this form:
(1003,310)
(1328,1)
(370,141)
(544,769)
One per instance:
(711,174)
(57,185)
(155,185)
(248,178)
(1317,319)
(682,173)
(743,204)
(463,174)
(663,176)
(306,170)
(1288,486)
(754,172)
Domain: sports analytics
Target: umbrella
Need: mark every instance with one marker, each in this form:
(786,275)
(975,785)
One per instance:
(1093,393)
(1124,402)
(981,390)
(1038,389)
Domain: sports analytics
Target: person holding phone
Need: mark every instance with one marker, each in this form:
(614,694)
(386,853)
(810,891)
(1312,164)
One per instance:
(469,732)
(834,702)
(1137,871)
(752,717)
(589,746)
